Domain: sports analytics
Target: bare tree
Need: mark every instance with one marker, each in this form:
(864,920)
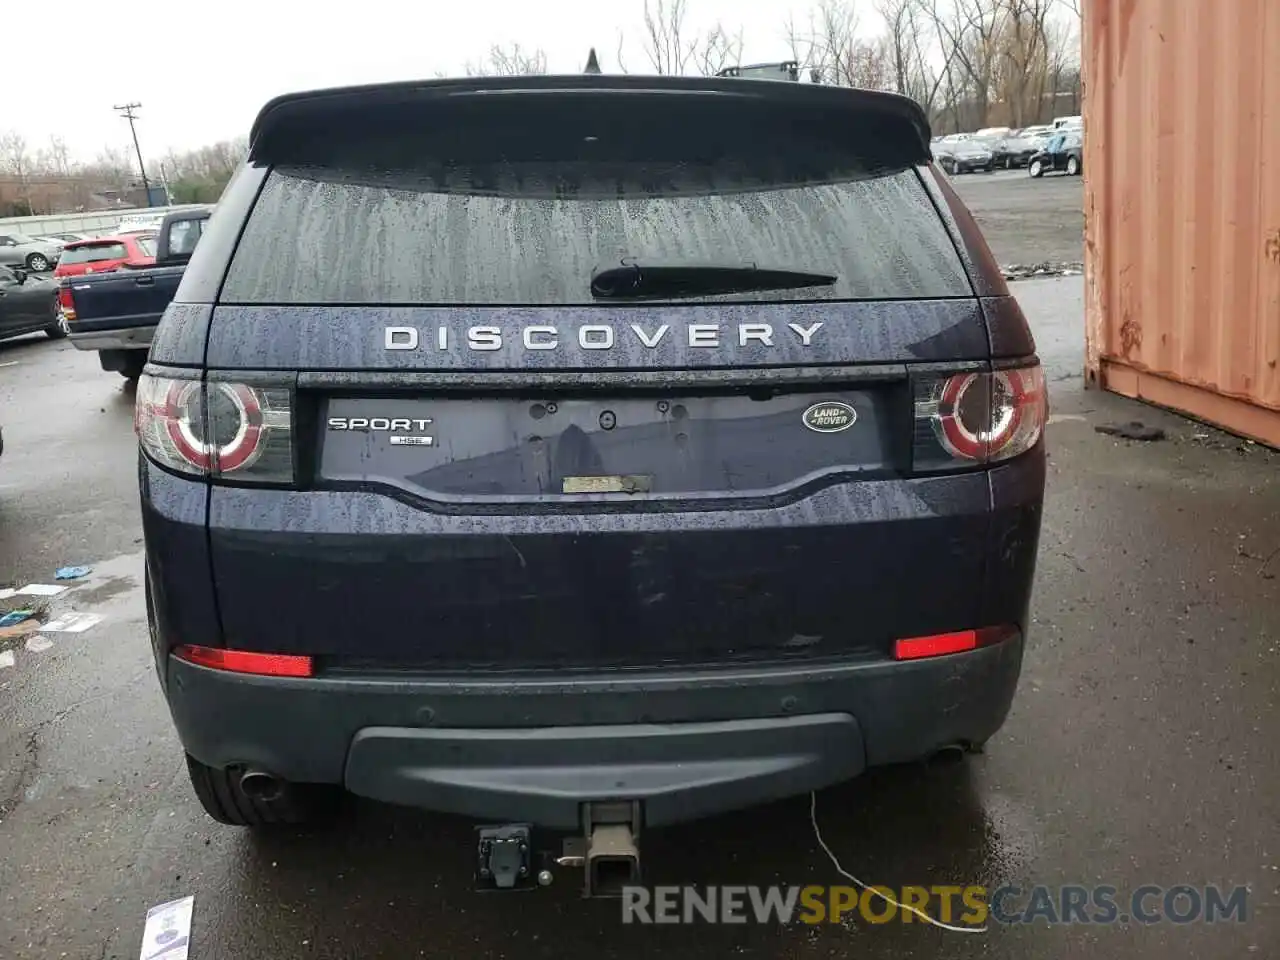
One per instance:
(114,165)
(718,49)
(53,160)
(826,47)
(509,62)
(1062,83)
(672,49)
(869,64)
(1021,71)
(14,158)
(911,49)
(665,45)
(969,30)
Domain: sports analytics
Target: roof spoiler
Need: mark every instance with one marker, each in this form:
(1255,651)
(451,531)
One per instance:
(330,110)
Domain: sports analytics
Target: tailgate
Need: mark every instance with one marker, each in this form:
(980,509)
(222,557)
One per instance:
(501,462)
(124,298)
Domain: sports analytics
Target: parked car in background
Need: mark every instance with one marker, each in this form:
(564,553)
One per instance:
(104,254)
(993,133)
(139,223)
(1067,123)
(17,249)
(28,304)
(71,237)
(964,156)
(1014,151)
(1063,153)
(1039,131)
(116,313)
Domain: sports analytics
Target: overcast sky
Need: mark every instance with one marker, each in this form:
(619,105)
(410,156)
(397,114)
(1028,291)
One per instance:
(201,70)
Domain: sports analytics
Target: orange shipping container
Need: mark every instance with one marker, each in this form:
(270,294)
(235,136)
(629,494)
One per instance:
(1182,206)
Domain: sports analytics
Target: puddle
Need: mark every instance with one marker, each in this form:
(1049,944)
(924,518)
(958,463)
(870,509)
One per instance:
(100,590)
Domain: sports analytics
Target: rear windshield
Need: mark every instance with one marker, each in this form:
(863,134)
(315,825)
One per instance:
(501,204)
(94,253)
(533,237)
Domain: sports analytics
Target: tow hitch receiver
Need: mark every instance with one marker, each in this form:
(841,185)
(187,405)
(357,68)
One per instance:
(609,848)
(504,857)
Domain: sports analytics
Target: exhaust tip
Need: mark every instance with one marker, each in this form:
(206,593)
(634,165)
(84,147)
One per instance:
(260,785)
(948,756)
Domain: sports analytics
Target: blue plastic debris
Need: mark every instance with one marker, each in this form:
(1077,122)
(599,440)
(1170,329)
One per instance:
(72,573)
(16,616)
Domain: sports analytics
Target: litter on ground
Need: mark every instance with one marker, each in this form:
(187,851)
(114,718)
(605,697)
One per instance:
(38,644)
(72,573)
(72,623)
(15,616)
(167,933)
(41,590)
(6,659)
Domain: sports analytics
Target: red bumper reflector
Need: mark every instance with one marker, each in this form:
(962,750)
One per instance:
(915,648)
(242,661)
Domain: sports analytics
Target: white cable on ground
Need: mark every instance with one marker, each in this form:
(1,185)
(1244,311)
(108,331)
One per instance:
(813,819)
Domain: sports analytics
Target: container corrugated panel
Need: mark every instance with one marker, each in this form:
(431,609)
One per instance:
(1182,206)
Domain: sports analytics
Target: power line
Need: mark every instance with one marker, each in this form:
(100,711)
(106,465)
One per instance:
(127,111)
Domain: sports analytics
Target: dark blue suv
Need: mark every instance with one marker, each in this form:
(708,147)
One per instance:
(519,445)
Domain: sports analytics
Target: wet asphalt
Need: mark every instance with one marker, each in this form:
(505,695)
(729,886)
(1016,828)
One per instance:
(1027,221)
(1142,747)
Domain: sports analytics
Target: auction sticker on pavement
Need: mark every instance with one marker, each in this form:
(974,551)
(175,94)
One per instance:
(72,623)
(167,934)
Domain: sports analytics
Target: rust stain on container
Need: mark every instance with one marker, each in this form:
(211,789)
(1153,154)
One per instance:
(1182,206)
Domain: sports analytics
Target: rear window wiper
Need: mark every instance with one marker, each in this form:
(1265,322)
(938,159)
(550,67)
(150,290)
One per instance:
(633,279)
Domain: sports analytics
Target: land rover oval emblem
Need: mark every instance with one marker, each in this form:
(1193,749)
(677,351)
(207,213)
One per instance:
(830,416)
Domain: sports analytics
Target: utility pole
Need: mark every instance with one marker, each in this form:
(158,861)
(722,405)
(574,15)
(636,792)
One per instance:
(127,111)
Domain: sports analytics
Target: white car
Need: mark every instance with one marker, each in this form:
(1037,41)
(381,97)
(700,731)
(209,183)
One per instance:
(139,223)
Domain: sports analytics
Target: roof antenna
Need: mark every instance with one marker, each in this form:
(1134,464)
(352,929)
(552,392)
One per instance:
(593,64)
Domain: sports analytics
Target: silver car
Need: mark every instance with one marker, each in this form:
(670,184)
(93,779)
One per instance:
(36,255)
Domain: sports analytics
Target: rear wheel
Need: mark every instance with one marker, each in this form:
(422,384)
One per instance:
(58,328)
(133,364)
(1073,167)
(1036,169)
(220,793)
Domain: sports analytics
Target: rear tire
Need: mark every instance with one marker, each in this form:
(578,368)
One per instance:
(58,329)
(1073,167)
(133,365)
(1035,169)
(218,791)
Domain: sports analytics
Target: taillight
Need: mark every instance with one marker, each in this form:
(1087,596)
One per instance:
(978,417)
(219,429)
(65,302)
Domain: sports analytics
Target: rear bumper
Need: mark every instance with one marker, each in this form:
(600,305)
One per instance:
(534,747)
(126,338)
